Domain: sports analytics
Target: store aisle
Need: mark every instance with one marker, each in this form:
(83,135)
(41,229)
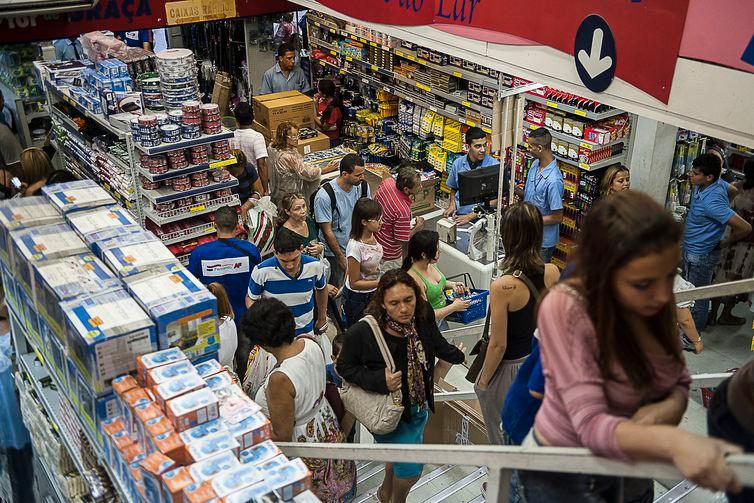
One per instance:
(259,62)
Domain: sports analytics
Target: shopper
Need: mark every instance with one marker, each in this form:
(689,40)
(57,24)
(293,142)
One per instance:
(227,329)
(67,49)
(295,279)
(737,260)
(726,179)
(251,142)
(35,169)
(705,225)
(10,148)
(408,325)
(289,173)
(286,29)
(394,195)
(731,417)
(364,255)
(293,214)
(476,139)
(329,117)
(691,340)
(292,395)
(285,75)
(616,179)
(513,301)
(249,185)
(137,38)
(615,378)
(333,207)
(227,261)
(421,264)
(544,188)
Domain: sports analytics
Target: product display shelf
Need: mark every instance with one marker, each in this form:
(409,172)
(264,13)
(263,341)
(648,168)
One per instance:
(70,446)
(183,259)
(327,63)
(204,229)
(167,147)
(166,194)
(582,142)
(616,159)
(195,168)
(177,214)
(100,119)
(334,49)
(574,110)
(60,496)
(407,54)
(393,90)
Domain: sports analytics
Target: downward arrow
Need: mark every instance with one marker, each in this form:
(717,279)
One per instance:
(592,62)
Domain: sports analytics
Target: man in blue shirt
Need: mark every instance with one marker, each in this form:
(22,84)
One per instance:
(227,261)
(703,241)
(477,157)
(285,75)
(544,189)
(335,226)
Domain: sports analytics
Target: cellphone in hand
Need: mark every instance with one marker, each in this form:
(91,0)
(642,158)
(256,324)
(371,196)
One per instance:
(16,182)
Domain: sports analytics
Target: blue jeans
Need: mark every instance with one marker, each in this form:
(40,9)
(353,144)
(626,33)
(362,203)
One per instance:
(547,254)
(354,304)
(698,270)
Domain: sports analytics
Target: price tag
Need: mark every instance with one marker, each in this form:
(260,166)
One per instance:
(421,61)
(349,58)
(584,166)
(106,185)
(466,104)
(365,81)
(374,67)
(354,37)
(422,87)
(487,130)
(316,23)
(533,127)
(333,53)
(586,145)
(342,72)
(434,109)
(399,54)
(387,89)
(457,74)
(411,58)
(373,44)
(552,104)
(332,30)
(199,207)
(580,112)
(470,123)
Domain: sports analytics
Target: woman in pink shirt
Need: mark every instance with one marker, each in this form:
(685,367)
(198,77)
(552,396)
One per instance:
(615,378)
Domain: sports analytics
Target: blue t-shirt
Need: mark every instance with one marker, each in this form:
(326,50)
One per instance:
(333,376)
(218,262)
(520,407)
(545,191)
(269,279)
(705,223)
(459,166)
(341,221)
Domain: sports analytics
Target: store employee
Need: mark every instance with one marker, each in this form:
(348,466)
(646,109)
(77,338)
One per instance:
(477,157)
(285,75)
(544,189)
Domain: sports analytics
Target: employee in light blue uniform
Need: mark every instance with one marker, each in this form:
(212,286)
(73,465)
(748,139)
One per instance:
(285,75)
(544,188)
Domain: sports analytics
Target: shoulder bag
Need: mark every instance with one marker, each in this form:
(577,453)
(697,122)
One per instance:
(480,348)
(379,413)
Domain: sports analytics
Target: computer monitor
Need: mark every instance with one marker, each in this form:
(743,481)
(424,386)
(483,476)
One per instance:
(478,186)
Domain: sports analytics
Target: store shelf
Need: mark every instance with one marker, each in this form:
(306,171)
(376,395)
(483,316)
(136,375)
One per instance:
(198,231)
(582,142)
(195,168)
(183,259)
(617,159)
(513,91)
(574,110)
(167,147)
(327,63)
(334,49)
(98,118)
(166,194)
(175,215)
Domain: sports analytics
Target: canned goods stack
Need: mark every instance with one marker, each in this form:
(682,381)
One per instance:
(162,207)
(150,89)
(155,164)
(149,134)
(211,118)
(181,183)
(135,129)
(170,133)
(148,184)
(220,175)
(202,198)
(220,150)
(191,117)
(178,77)
(200,179)
(177,159)
(184,202)
(222,193)
(199,154)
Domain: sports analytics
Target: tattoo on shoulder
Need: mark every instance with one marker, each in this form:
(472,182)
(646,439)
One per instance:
(508,287)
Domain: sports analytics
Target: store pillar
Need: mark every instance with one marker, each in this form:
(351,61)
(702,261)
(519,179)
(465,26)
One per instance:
(651,156)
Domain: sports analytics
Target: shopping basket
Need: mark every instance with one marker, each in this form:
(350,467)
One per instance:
(477,302)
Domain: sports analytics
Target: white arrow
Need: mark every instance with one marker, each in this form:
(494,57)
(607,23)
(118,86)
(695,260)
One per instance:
(592,62)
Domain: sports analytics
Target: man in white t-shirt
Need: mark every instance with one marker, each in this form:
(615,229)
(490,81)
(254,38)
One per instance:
(251,142)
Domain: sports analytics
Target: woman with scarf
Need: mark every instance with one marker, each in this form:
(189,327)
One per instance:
(408,325)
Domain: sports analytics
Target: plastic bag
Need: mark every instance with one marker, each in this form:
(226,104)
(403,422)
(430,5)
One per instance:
(260,222)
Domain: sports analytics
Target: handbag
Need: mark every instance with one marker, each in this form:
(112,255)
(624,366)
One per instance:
(480,348)
(379,413)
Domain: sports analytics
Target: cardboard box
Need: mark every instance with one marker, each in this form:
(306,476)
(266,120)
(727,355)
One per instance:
(251,430)
(314,144)
(173,483)
(211,445)
(221,91)
(137,253)
(99,219)
(177,386)
(199,492)
(290,479)
(77,195)
(149,361)
(207,469)
(159,375)
(234,480)
(264,451)
(23,213)
(152,468)
(203,430)
(254,492)
(424,199)
(192,409)
(374,177)
(184,311)
(208,368)
(271,110)
(105,334)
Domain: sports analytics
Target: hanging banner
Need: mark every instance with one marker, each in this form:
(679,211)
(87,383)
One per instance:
(130,15)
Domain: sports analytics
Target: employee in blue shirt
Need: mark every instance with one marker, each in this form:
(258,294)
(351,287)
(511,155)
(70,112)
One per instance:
(227,261)
(477,157)
(285,75)
(703,241)
(544,188)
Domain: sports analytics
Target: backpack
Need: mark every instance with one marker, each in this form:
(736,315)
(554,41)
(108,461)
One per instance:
(325,185)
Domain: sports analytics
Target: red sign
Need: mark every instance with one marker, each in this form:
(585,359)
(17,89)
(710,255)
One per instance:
(114,15)
(647,34)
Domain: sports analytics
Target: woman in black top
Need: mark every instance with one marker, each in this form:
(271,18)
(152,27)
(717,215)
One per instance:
(512,311)
(408,325)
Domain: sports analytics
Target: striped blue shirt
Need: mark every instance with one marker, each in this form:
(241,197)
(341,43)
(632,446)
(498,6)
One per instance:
(269,279)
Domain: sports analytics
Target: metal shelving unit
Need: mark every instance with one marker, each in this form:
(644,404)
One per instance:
(166,194)
(581,141)
(203,229)
(167,147)
(175,215)
(195,168)
(575,110)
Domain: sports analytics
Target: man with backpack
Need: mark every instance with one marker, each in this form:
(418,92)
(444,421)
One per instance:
(333,206)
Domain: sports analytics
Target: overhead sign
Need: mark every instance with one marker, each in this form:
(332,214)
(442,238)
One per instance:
(196,11)
(595,53)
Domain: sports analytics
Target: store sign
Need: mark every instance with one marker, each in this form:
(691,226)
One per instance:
(129,15)
(647,35)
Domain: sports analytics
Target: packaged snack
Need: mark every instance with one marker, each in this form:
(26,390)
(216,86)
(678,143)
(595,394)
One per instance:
(259,453)
(251,430)
(177,386)
(210,467)
(159,375)
(156,359)
(203,430)
(192,409)
(152,467)
(211,445)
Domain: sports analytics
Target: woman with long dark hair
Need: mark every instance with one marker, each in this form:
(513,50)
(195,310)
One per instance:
(408,326)
(615,378)
(329,117)
(293,214)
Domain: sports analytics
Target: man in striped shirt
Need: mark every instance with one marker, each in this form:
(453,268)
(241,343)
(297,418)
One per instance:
(295,279)
(394,195)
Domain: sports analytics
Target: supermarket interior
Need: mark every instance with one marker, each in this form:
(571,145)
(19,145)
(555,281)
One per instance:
(158,157)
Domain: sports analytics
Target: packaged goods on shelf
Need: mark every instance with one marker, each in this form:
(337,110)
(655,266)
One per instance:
(89,222)
(23,213)
(135,253)
(77,195)
(178,77)
(272,109)
(65,72)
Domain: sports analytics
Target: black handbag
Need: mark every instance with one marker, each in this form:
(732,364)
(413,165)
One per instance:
(480,348)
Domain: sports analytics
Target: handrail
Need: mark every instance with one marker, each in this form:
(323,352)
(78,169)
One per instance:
(719,290)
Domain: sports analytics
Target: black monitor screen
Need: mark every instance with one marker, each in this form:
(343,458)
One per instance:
(478,186)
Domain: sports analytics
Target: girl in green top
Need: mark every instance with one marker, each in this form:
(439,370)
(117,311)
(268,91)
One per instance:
(421,257)
(293,214)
